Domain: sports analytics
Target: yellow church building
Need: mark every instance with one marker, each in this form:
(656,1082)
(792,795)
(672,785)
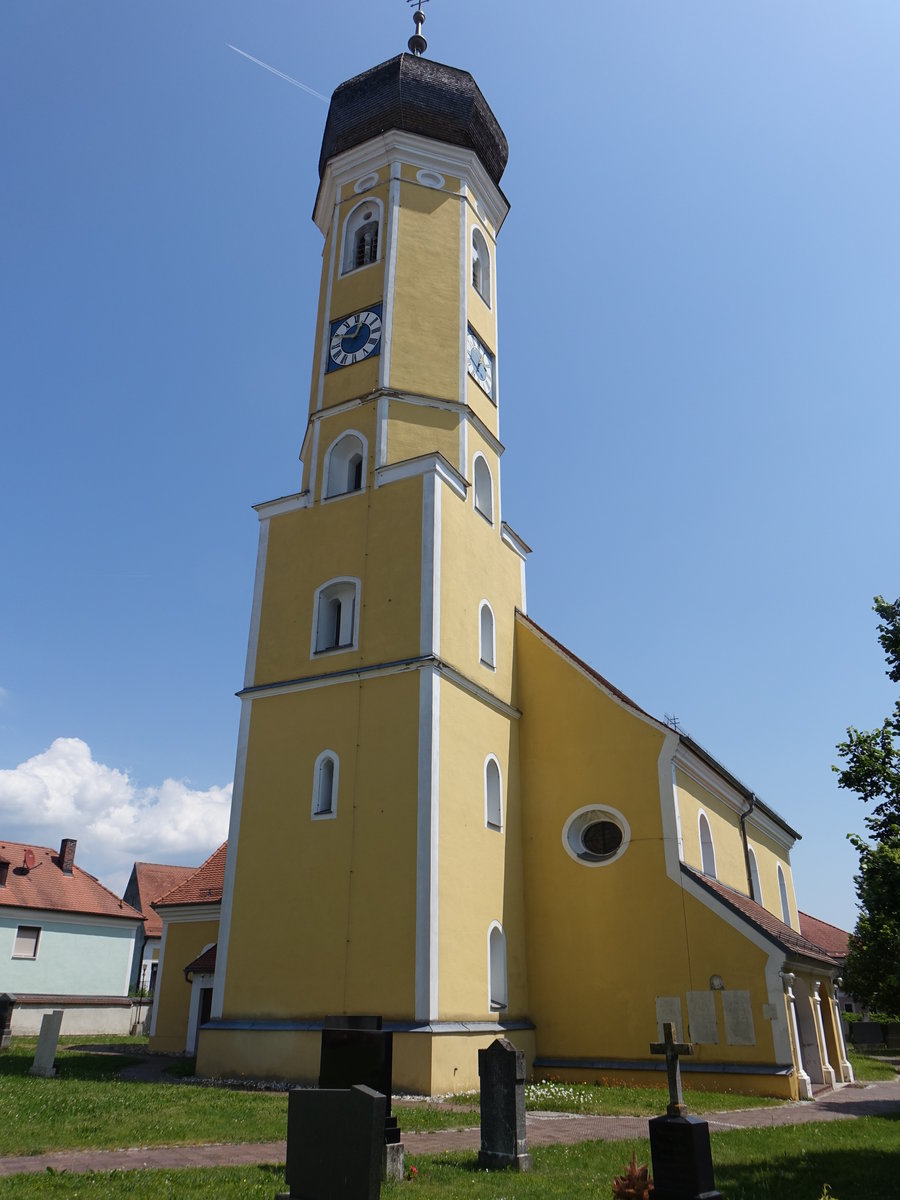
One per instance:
(440,814)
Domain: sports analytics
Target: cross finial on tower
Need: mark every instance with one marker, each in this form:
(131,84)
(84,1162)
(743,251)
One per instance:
(417,43)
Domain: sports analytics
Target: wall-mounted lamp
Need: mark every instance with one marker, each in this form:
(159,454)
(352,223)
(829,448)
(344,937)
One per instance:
(716,983)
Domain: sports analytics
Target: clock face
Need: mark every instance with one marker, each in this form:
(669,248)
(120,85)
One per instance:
(480,363)
(355,338)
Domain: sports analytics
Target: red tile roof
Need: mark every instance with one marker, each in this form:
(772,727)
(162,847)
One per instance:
(204,963)
(153,880)
(49,888)
(760,918)
(832,940)
(204,886)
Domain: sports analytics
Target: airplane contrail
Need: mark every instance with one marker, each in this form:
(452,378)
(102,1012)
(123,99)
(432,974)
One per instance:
(280,74)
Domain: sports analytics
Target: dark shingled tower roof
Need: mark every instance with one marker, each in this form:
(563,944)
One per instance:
(418,96)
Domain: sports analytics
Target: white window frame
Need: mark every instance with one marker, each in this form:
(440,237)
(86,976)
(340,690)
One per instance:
(37,942)
(783,893)
(350,588)
(489,816)
(703,819)
(483,257)
(327,493)
(498,976)
(317,814)
(352,225)
(489,662)
(488,516)
(755,884)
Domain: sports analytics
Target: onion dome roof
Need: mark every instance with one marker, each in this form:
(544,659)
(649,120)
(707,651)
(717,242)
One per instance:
(418,96)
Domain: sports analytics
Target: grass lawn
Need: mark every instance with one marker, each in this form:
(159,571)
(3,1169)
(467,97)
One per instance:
(855,1158)
(870,1068)
(612,1101)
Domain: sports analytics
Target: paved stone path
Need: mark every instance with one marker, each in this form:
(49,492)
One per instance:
(544,1129)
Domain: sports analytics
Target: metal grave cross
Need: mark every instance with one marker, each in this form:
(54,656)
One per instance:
(671,1049)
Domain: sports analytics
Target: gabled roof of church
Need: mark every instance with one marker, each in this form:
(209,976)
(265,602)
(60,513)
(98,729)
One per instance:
(792,942)
(833,941)
(153,880)
(203,886)
(46,886)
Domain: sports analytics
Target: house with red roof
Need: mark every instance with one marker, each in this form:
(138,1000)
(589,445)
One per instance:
(148,883)
(66,941)
(189,916)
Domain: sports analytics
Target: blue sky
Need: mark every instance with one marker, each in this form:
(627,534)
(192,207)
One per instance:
(699,284)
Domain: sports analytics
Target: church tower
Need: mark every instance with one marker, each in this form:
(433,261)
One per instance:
(374,859)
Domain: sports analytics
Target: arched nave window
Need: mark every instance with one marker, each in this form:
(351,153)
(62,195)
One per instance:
(484,488)
(487,645)
(707,849)
(335,622)
(325,785)
(782,891)
(361,236)
(493,794)
(345,465)
(755,889)
(497,987)
(481,266)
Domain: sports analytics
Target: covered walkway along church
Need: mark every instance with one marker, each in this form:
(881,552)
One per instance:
(440,814)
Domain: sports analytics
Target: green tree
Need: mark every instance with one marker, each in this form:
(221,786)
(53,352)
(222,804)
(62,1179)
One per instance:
(872,771)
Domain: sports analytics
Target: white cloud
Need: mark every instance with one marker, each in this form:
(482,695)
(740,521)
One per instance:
(63,792)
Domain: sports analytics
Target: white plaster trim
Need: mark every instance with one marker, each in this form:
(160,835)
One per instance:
(677,808)
(183,914)
(159,978)
(390,276)
(353,644)
(426,464)
(326,314)
(256,609)
(361,203)
(617,818)
(231,853)
(474,689)
(463,446)
(417,151)
(284,504)
(427,881)
(464,278)
(199,981)
(430,604)
(488,823)
(431,179)
(364,184)
(668,804)
(523,603)
(314,460)
(762,823)
(492,664)
(381,432)
(701,817)
(492,1007)
(331,814)
(489,517)
(22,914)
(326,464)
(512,539)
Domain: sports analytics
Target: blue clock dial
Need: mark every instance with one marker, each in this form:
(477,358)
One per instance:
(355,338)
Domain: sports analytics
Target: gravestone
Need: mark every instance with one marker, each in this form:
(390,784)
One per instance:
(45,1054)
(356,1050)
(679,1144)
(335,1144)
(7,1004)
(501,1068)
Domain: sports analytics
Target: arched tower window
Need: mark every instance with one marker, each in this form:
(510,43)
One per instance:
(493,794)
(484,488)
(335,620)
(481,266)
(325,785)
(361,236)
(707,849)
(497,986)
(782,891)
(487,647)
(345,465)
(755,889)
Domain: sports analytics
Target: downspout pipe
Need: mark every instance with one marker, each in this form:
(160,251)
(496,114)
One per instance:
(743,818)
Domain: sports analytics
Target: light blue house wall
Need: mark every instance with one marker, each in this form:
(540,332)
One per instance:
(77,955)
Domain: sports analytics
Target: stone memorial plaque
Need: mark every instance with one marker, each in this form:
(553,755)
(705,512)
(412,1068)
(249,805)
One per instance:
(335,1144)
(668,1008)
(704,1028)
(501,1070)
(45,1055)
(738,1013)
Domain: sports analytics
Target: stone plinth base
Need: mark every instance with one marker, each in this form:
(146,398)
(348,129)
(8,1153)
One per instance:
(682,1161)
(488,1161)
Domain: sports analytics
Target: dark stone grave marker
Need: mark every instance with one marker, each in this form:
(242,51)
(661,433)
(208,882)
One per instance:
(679,1144)
(335,1144)
(501,1068)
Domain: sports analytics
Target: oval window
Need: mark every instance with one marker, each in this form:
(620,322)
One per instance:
(596,835)
(601,839)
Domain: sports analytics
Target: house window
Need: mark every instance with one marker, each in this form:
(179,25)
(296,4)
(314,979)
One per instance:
(481,267)
(755,889)
(345,465)
(335,625)
(361,236)
(493,794)
(497,987)
(782,891)
(487,650)
(484,489)
(27,940)
(707,849)
(325,785)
